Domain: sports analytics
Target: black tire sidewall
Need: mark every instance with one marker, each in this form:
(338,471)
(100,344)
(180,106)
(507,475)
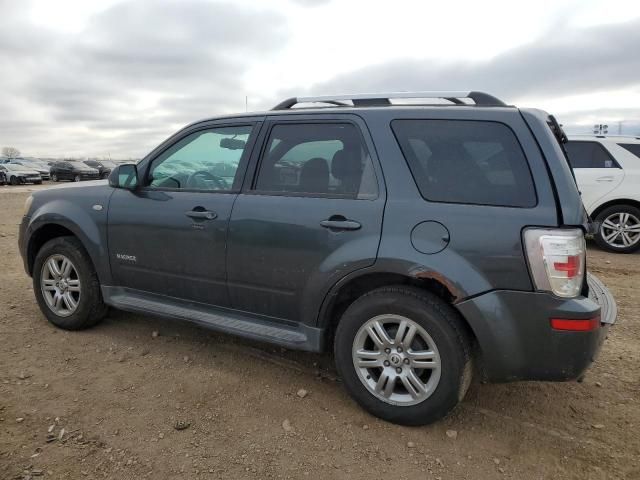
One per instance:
(426,310)
(601,218)
(90,307)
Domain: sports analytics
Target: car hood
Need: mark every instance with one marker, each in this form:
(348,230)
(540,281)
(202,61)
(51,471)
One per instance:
(23,171)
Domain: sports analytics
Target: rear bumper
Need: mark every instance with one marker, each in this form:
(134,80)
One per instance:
(516,339)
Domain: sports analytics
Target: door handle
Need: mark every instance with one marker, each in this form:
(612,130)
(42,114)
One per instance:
(604,179)
(201,214)
(338,222)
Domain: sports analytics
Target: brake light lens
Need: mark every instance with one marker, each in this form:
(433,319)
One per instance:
(556,259)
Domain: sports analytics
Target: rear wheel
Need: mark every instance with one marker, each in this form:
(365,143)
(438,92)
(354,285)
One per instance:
(54,177)
(403,355)
(77,178)
(14,180)
(619,229)
(66,285)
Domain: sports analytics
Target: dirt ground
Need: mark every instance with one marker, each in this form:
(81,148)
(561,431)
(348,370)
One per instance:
(104,403)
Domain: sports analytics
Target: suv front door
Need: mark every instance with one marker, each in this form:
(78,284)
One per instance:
(169,235)
(310,215)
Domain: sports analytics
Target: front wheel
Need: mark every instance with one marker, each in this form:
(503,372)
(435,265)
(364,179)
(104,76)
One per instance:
(54,177)
(66,285)
(403,355)
(619,229)
(14,181)
(77,178)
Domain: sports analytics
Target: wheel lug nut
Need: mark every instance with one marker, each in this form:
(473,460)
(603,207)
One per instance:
(387,350)
(386,363)
(406,360)
(399,349)
(399,370)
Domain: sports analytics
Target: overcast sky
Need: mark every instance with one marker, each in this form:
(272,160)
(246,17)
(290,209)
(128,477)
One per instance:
(98,78)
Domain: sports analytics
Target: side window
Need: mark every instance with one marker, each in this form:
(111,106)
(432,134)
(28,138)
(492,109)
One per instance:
(473,162)
(204,160)
(588,155)
(632,147)
(322,159)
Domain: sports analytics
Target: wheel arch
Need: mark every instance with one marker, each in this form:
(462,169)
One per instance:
(618,201)
(347,291)
(48,230)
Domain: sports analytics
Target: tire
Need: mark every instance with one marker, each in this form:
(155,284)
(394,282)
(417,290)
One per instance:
(450,343)
(77,178)
(90,308)
(627,239)
(54,177)
(14,181)
(38,183)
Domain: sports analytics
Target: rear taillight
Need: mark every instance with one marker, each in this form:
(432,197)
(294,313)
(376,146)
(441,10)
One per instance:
(556,259)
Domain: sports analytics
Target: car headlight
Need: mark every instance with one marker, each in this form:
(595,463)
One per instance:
(27,205)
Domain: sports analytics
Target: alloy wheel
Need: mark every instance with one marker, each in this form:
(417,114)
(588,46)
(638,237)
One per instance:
(621,230)
(396,360)
(60,285)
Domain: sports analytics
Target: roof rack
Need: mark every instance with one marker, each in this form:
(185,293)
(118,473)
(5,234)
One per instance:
(380,99)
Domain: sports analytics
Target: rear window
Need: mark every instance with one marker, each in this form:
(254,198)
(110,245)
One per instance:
(589,155)
(632,147)
(460,161)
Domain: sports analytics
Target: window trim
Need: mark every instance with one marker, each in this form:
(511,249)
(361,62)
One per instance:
(606,150)
(242,164)
(271,124)
(415,181)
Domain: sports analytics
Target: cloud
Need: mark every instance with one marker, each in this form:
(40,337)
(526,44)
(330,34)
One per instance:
(140,69)
(137,66)
(563,61)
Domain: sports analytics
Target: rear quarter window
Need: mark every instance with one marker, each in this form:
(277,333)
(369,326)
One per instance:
(632,147)
(462,161)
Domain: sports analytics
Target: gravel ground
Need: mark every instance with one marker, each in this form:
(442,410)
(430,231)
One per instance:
(105,403)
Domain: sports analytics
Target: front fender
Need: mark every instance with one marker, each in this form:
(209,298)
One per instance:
(85,222)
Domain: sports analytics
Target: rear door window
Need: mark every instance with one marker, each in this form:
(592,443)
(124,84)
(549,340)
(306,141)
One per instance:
(589,155)
(317,159)
(475,162)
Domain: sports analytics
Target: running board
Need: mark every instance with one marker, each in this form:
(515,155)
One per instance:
(299,337)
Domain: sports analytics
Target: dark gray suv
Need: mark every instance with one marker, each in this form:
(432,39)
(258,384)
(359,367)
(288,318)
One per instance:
(423,237)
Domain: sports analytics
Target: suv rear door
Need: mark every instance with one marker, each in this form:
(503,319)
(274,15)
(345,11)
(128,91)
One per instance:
(597,173)
(310,213)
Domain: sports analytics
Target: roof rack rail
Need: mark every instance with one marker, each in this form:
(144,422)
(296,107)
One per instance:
(380,99)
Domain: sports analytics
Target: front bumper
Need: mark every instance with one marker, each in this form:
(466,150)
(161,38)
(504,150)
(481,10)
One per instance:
(88,176)
(517,342)
(22,242)
(30,178)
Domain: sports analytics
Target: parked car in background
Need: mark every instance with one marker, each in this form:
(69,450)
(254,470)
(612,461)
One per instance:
(41,167)
(73,170)
(104,167)
(422,243)
(607,169)
(19,174)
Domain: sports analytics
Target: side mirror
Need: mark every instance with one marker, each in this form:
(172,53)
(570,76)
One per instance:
(124,176)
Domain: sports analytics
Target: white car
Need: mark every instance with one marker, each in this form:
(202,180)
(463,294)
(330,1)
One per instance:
(19,174)
(607,169)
